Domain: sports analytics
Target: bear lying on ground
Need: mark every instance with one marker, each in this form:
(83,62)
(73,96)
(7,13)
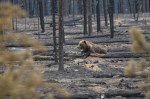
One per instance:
(88,47)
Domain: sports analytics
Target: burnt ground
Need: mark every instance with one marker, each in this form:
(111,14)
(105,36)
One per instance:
(92,77)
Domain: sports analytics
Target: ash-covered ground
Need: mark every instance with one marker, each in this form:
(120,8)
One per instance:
(94,76)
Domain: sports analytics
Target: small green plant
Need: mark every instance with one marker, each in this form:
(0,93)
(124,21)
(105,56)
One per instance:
(139,45)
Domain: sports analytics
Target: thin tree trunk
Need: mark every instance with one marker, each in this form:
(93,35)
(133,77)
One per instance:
(53,5)
(130,6)
(89,8)
(73,10)
(105,13)
(61,54)
(41,15)
(85,16)
(111,17)
(98,16)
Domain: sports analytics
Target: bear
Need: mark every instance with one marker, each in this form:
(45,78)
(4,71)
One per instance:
(88,47)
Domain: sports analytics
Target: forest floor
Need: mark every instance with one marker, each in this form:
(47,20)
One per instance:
(91,77)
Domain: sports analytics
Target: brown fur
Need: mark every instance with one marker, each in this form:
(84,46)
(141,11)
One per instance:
(87,46)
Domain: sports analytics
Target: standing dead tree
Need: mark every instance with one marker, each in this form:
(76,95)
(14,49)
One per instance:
(105,12)
(85,16)
(137,7)
(111,16)
(61,39)
(53,5)
(89,14)
(41,15)
(98,16)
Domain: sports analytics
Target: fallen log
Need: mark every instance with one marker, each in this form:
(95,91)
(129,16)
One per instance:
(68,42)
(107,75)
(112,55)
(108,94)
(47,58)
(124,55)
(123,93)
(106,35)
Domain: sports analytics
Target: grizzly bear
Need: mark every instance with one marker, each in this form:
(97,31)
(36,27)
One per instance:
(88,47)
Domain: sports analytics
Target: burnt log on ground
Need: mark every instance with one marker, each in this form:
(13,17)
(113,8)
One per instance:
(68,42)
(124,55)
(124,93)
(108,75)
(112,55)
(93,36)
(50,52)
(66,33)
(77,51)
(72,43)
(47,58)
(67,22)
(109,94)
(117,53)
(107,35)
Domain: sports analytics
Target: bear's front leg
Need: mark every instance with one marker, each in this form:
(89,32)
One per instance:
(86,54)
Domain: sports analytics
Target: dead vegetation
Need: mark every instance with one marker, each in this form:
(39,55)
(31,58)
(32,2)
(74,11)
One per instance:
(20,79)
(139,45)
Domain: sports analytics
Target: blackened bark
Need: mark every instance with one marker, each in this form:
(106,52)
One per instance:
(129,3)
(89,8)
(105,13)
(111,17)
(53,5)
(41,15)
(85,16)
(61,54)
(98,16)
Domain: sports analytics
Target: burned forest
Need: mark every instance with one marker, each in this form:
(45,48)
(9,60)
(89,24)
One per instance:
(74,49)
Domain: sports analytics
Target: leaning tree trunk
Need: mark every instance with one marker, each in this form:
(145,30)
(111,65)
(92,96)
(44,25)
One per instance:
(89,8)
(61,54)
(98,16)
(53,5)
(85,16)
(111,17)
(41,15)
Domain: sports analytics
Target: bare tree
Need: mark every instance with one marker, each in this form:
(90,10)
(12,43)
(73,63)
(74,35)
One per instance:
(105,12)
(111,17)
(61,54)
(89,10)
(137,7)
(98,16)
(85,16)
(53,5)
(41,15)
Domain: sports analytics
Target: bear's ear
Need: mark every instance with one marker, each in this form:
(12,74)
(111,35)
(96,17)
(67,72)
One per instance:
(85,42)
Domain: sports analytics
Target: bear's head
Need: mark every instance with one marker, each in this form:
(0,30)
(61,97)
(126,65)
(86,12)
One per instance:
(83,45)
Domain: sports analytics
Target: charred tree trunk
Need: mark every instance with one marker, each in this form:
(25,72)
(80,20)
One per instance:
(53,5)
(85,16)
(137,8)
(111,17)
(129,3)
(41,15)
(105,13)
(98,16)
(61,54)
(89,8)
